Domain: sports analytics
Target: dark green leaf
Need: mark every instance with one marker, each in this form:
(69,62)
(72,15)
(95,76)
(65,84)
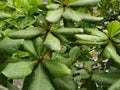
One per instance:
(10,46)
(66,83)
(105,78)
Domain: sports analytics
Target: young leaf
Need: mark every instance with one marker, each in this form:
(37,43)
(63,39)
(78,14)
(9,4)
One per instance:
(10,46)
(18,70)
(52,42)
(54,15)
(71,14)
(57,69)
(84,3)
(26,34)
(113,27)
(29,46)
(38,80)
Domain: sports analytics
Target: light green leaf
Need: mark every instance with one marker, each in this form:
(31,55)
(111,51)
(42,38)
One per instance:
(84,3)
(4,15)
(29,46)
(113,27)
(71,14)
(115,86)
(53,6)
(38,80)
(66,83)
(74,52)
(52,42)
(54,15)
(68,31)
(26,34)
(18,70)
(10,46)
(57,69)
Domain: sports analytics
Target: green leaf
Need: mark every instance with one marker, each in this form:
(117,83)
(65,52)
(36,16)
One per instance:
(57,69)
(52,42)
(110,52)
(4,81)
(115,86)
(4,15)
(105,78)
(29,46)
(54,15)
(86,37)
(67,61)
(3,4)
(26,34)
(38,43)
(74,52)
(68,31)
(71,14)
(89,18)
(95,31)
(42,22)
(38,80)
(0,36)
(62,38)
(84,3)
(18,70)
(57,1)
(91,42)
(10,46)
(53,6)
(66,83)
(113,27)
(10,86)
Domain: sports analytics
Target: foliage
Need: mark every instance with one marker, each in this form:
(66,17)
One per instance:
(60,44)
